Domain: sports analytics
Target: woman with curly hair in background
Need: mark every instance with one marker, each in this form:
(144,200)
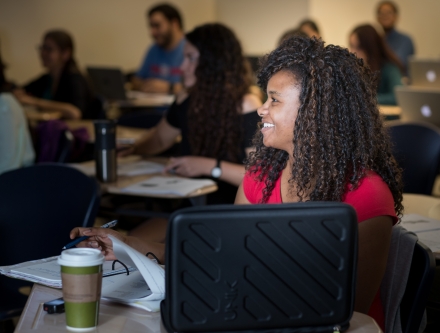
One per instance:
(322,139)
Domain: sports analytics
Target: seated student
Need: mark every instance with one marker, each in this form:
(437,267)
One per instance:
(216,115)
(15,143)
(159,72)
(63,88)
(322,139)
(371,47)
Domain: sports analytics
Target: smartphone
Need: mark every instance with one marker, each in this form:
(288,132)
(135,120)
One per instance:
(54,306)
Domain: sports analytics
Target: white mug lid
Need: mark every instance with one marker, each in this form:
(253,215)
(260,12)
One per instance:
(81,257)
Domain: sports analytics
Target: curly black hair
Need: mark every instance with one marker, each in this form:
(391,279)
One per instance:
(339,134)
(223,78)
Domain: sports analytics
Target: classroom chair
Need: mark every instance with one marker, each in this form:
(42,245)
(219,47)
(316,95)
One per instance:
(416,147)
(417,289)
(39,205)
(407,281)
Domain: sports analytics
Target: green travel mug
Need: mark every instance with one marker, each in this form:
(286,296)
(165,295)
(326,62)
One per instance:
(81,274)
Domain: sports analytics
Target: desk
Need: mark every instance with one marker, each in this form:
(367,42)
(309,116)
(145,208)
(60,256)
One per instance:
(121,131)
(390,112)
(114,317)
(124,181)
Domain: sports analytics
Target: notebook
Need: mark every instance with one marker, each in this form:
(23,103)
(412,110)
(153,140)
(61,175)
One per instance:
(419,104)
(425,73)
(268,268)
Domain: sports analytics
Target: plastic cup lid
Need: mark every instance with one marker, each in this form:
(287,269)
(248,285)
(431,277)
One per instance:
(82,257)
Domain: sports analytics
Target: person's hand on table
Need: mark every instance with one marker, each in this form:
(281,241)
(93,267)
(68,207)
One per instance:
(98,239)
(125,150)
(190,166)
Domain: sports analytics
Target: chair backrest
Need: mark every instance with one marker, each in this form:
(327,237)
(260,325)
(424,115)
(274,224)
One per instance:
(417,289)
(39,205)
(65,146)
(416,147)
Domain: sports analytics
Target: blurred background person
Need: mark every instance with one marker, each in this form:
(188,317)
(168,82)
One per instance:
(401,44)
(310,28)
(291,33)
(15,142)
(63,88)
(368,45)
(160,70)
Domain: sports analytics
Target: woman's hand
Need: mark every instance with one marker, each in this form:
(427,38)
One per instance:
(98,239)
(190,166)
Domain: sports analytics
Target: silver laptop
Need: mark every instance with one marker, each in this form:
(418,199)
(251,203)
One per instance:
(425,73)
(419,104)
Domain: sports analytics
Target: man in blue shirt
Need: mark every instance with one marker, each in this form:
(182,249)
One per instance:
(401,44)
(160,69)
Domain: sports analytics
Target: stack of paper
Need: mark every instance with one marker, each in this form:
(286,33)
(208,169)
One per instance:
(125,169)
(427,229)
(169,185)
(47,271)
(144,287)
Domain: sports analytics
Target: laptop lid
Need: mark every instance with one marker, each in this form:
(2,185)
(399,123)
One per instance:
(425,73)
(108,82)
(419,104)
(260,267)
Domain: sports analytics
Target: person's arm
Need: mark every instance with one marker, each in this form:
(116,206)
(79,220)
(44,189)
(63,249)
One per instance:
(99,240)
(163,136)
(240,198)
(374,244)
(155,85)
(196,166)
(68,111)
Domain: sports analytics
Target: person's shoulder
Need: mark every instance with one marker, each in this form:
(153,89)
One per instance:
(371,198)
(251,102)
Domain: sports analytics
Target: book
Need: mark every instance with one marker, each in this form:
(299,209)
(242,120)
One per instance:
(143,287)
(168,185)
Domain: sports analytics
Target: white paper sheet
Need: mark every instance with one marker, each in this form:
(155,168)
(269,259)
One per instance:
(168,185)
(418,223)
(125,169)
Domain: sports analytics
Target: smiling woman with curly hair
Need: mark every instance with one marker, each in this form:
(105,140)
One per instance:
(322,139)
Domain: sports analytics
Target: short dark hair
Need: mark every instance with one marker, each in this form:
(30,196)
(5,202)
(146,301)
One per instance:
(389,3)
(170,12)
(310,23)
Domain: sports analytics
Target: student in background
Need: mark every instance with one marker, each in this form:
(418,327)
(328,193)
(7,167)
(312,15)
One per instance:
(62,88)
(310,28)
(15,143)
(160,70)
(216,117)
(368,45)
(290,33)
(401,44)
(322,139)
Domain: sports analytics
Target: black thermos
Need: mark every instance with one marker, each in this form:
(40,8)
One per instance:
(105,150)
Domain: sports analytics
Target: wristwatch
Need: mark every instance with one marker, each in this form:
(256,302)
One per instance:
(216,172)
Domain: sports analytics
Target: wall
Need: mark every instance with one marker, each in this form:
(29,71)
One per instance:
(260,23)
(107,32)
(417,18)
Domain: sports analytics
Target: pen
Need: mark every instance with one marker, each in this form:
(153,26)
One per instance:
(79,240)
